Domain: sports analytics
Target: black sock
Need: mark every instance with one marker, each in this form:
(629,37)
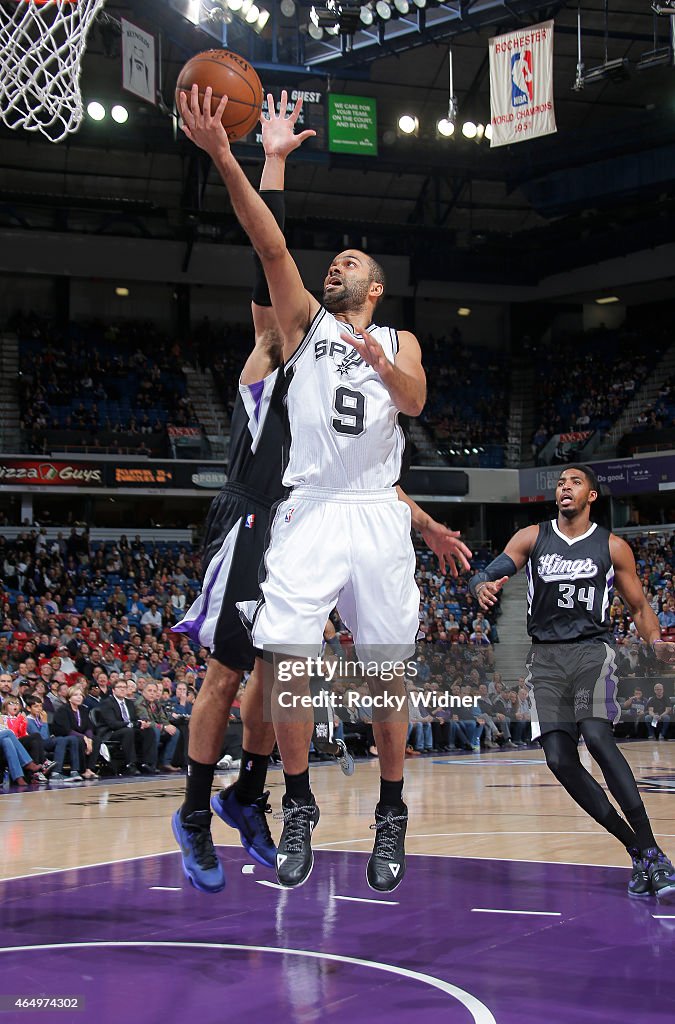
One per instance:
(637,816)
(297,786)
(198,787)
(391,793)
(252,775)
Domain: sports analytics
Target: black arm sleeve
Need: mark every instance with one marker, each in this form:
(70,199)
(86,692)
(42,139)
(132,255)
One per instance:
(276,202)
(502,565)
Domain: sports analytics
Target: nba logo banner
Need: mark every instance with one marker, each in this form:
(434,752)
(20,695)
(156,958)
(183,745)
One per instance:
(138,61)
(521,84)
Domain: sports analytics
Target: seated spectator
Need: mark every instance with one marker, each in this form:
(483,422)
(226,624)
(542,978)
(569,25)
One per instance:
(168,734)
(659,710)
(633,713)
(179,706)
(138,739)
(72,720)
(20,768)
(61,748)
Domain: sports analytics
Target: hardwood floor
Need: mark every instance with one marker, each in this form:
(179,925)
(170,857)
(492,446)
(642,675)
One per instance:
(485,806)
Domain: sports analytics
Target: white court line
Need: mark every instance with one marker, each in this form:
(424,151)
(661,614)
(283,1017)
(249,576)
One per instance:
(360,899)
(166,888)
(81,867)
(247,869)
(532,913)
(271,885)
(664,917)
(478,1010)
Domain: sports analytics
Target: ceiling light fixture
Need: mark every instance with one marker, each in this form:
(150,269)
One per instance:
(607,300)
(96,110)
(408,124)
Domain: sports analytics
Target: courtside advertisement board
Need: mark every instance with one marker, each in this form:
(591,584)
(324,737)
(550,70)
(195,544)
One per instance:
(521,84)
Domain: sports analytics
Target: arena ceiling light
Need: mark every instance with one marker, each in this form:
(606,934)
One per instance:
(383,10)
(445,127)
(119,114)
(488,132)
(366,16)
(235,5)
(263,18)
(408,124)
(287,8)
(314,31)
(469,130)
(463,311)
(402,6)
(122,292)
(420,4)
(607,300)
(96,110)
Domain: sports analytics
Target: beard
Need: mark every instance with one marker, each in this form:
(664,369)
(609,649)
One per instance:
(347,298)
(571,512)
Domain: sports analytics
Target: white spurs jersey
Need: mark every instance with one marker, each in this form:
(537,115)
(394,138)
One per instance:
(345,434)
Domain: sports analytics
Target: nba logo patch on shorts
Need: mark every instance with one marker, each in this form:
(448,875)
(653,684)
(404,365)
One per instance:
(289,515)
(250,521)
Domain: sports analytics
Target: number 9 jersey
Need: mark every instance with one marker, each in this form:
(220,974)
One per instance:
(568,585)
(345,433)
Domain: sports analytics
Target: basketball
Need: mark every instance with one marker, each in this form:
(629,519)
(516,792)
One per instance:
(229,75)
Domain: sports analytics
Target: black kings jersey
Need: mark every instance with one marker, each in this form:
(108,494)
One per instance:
(568,585)
(258,437)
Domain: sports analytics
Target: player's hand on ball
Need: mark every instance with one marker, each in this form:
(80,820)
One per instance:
(278,130)
(200,125)
(488,592)
(664,651)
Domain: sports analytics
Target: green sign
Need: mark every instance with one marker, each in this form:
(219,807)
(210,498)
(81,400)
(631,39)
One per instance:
(352,125)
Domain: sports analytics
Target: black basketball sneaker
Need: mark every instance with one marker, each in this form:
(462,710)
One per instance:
(639,885)
(661,872)
(295,859)
(386,866)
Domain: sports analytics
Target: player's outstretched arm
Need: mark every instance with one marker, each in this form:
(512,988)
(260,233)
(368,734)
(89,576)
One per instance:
(294,306)
(627,583)
(485,585)
(404,379)
(445,544)
(279,141)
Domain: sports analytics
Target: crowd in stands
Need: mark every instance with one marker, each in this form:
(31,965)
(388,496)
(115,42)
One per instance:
(94,385)
(467,400)
(661,414)
(86,628)
(584,381)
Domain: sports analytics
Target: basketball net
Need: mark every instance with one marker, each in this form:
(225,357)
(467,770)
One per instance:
(41,47)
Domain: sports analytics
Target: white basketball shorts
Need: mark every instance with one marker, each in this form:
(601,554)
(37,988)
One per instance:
(350,550)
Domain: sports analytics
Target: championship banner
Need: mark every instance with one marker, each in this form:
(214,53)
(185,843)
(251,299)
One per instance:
(138,61)
(521,84)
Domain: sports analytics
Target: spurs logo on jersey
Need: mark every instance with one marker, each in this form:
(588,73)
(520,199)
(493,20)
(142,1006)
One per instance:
(344,425)
(345,358)
(552,567)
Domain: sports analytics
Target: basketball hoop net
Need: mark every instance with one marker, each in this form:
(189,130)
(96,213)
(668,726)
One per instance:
(41,47)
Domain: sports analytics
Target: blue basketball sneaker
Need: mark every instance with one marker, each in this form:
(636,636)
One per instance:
(201,866)
(250,820)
